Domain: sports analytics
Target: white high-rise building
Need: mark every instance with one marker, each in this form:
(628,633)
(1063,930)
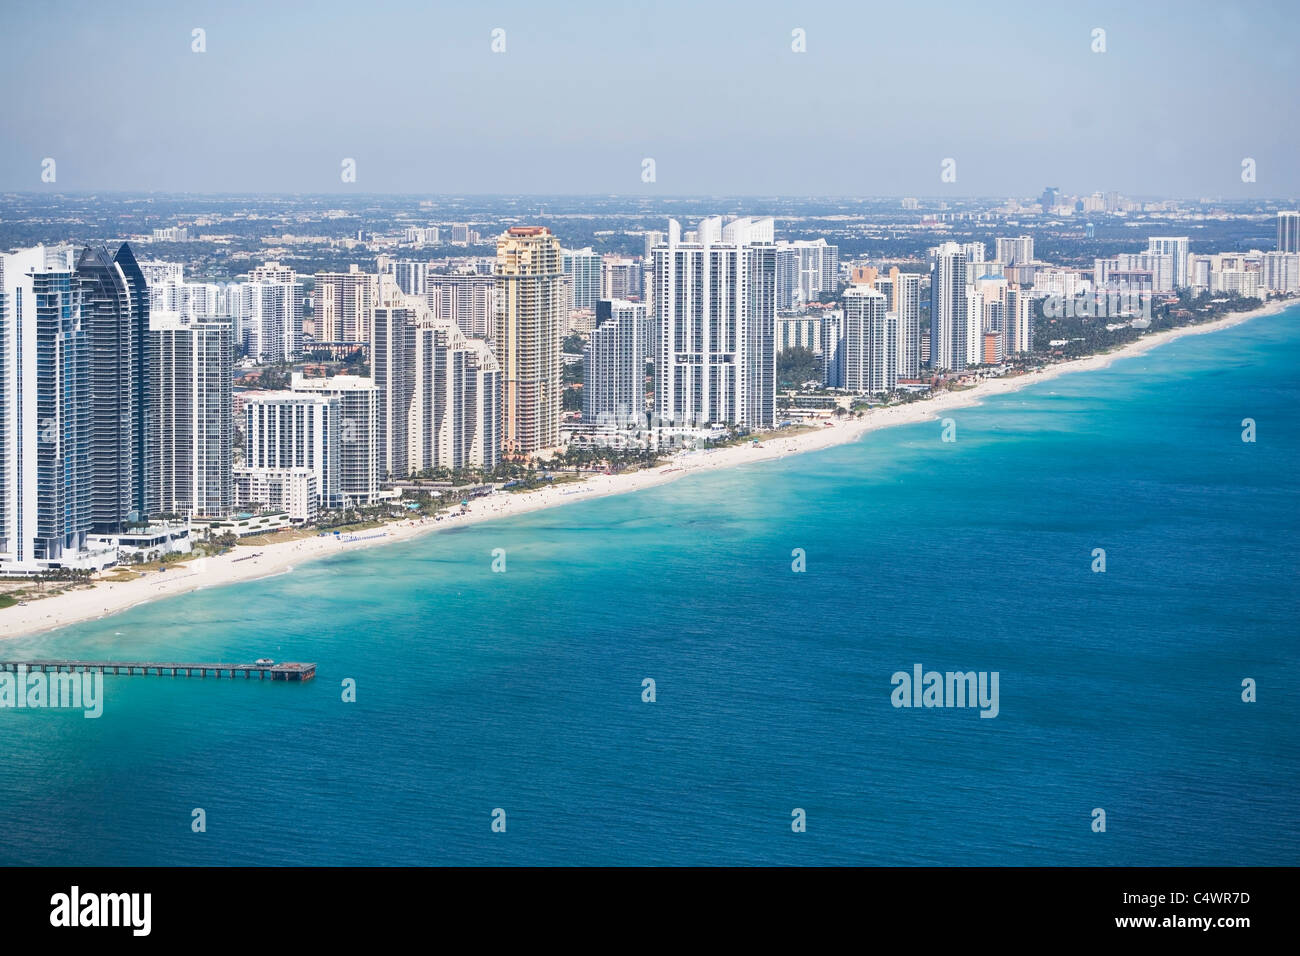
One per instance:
(45,418)
(802,331)
(832,351)
(582,268)
(715,307)
(906,290)
(358,400)
(1018,321)
(291,490)
(190,367)
(806,271)
(1061,283)
(948,309)
(295,430)
(157,272)
(1281,271)
(1129,271)
(614,362)
(1015,251)
(412,276)
(974,323)
(870,354)
(1176,246)
(268,312)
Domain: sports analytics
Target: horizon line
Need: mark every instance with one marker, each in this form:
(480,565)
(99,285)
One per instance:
(633,196)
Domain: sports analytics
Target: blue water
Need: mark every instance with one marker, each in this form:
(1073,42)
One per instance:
(522,690)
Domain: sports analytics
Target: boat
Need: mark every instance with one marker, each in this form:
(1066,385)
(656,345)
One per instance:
(264,661)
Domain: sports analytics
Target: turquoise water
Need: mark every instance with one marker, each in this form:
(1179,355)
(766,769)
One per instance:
(523,690)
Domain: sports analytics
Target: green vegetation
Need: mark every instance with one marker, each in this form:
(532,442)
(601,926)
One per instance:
(1088,335)
(796,366)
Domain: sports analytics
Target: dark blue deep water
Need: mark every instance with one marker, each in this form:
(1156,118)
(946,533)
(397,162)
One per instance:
(477,690)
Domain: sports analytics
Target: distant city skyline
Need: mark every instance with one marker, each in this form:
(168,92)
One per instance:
(715,94)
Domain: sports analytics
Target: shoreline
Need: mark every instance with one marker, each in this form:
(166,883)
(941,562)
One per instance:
(106,599)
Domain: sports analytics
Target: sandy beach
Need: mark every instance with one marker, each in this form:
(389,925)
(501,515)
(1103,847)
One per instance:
(110,598)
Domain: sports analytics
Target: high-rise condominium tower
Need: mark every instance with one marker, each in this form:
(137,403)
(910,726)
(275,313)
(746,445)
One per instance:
(948,308)
(1176,246)
(1018,321)
(905,288)
(190,371)
(268,313)
(715,308)
(582,267)
(1015,251)
(614,362)
(465,299)
(45,415)
(529,328)
(358,460)
(1288,231)
(115,318)
(344,303)
(806,270)
(439,393)
(870,341)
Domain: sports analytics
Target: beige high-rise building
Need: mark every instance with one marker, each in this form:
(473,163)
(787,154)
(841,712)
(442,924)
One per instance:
(528,329)
(345,303)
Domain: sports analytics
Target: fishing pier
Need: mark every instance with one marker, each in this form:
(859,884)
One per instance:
(287,670)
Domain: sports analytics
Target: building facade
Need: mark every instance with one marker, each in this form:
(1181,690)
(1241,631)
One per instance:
(715,308)
(529,326)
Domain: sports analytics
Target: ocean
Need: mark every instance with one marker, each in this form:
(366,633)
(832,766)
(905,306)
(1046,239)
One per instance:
(516,696)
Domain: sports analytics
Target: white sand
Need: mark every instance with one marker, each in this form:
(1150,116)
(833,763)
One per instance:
(110,598)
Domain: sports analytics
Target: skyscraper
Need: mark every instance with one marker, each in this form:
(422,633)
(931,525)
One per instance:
(906,304)
(1176,246)
(715,307)
(465,299)
(45,417)
(1015,251)
(621,277)
(268,311)
(295,430)
(870,341)
(358,400)
(1017,321)
(190,373)
(613,384)
(1288,231)
(948,308)
(529,328)
(439,393)
(114,317)
(806,271)
(144,466)
(582,267)
(344,304)
(411,276)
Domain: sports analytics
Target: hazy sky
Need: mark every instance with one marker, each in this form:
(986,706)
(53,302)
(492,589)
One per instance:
(712,91)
